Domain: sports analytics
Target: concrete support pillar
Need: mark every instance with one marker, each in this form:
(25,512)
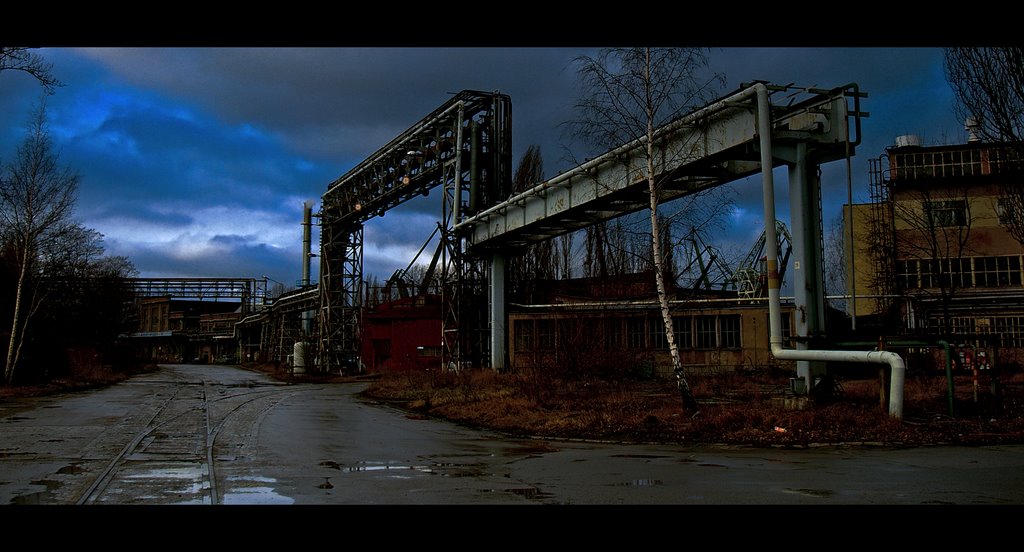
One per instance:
(808,288)
(498,319)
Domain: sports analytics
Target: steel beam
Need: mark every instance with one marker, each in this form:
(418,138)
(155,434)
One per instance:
(709,147)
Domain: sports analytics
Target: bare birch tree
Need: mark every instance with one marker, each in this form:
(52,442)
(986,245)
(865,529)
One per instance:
(627,93)
(37,196)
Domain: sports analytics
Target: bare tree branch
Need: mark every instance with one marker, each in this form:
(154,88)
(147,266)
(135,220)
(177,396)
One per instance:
(21,59)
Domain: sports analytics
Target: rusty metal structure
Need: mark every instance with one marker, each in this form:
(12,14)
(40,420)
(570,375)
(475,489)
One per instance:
(251,292)
(463,146)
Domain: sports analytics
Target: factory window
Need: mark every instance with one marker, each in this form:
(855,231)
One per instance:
(1007,209)
(635,330)
(683,328)
(657,333)
(524,335)
(1011,330)
(997,271)
(545,335)
(706,338)
(613,334)
(730,330)
(946,213)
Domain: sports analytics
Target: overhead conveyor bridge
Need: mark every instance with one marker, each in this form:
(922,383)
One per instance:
(464,146)
(709,147)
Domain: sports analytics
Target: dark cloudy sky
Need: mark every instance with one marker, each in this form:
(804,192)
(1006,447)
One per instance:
(196,161)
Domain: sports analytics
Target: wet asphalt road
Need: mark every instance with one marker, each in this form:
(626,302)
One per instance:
(222,435)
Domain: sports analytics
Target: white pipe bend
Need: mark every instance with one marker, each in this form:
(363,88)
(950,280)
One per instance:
(894,360)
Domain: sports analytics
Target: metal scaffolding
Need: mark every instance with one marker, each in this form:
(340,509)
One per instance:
(465,146)
(250,291)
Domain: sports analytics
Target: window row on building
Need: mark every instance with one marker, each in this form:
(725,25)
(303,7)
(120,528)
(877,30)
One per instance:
(700,332)
(955,163)
(963,272)
(1009,328)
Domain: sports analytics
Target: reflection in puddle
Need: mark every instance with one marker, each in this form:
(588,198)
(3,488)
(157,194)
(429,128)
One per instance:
(257,494)
(254,478)
(386,467)
(170,473)
(35,498)
(444,469)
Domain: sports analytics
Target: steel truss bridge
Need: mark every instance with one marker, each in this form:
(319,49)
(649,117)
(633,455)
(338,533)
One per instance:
(249,291)
(464,146)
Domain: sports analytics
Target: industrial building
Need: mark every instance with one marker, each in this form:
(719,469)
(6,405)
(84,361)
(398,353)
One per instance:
(592,330)
(192,319)
(933,253)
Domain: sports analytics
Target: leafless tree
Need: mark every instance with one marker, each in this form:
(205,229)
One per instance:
(626,93)
(932,229)
(836,261)
(37,196)
(21,59)
(538,261)
(988,84)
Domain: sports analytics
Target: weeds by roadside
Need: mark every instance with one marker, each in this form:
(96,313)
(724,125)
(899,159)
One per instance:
(743,408)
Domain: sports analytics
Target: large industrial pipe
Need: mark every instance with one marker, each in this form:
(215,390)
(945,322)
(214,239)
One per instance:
(764,129)
(307,223)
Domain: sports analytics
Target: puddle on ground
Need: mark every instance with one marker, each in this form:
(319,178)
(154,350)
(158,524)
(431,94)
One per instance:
(17,418)
(255,496)
(253,478)
(36,497)
(811,492)
(32,498)
(185,472)
(444,469)
(713,465)
(362,467)
(257,493)
(640,456)
(72,468)
(326,484)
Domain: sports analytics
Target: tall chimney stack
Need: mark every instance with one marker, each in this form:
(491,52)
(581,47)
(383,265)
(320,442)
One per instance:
(307,220)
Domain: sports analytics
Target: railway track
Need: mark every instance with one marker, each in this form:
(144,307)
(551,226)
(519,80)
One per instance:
(173,458)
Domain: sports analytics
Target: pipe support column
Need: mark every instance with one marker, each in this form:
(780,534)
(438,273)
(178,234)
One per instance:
(498,321)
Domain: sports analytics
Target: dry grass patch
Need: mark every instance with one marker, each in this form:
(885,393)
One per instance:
(737,408)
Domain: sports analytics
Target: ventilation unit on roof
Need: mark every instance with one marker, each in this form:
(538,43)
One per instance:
(908,140)
(971,126)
